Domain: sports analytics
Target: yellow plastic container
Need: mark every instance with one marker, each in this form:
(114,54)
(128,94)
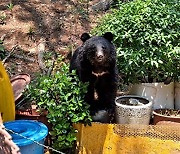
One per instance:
(7,103)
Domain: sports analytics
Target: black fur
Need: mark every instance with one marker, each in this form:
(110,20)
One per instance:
(97,54)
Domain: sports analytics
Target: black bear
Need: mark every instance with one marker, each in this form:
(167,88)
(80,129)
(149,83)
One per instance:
(95,62)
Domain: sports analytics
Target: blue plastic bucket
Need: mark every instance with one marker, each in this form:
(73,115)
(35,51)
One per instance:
(34,131)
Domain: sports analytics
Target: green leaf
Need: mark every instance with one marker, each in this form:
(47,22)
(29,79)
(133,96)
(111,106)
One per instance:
(64,101)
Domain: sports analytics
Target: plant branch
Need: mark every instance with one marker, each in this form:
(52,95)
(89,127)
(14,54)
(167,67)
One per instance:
(22,57)
(41,50)
(10,53)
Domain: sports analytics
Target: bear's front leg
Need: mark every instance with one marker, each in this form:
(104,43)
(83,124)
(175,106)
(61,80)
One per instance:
(107,89)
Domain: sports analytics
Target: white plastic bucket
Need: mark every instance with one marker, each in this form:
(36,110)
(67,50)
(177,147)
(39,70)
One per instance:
(177,95)
(160,94)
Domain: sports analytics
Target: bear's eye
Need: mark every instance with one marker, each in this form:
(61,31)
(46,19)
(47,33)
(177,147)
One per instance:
(92,49)
(104,48)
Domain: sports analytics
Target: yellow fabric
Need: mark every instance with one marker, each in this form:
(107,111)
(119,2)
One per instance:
(127,139)
(7,104)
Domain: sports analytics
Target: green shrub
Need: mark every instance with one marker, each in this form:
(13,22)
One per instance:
(62,95)
(147,37)
(2,51)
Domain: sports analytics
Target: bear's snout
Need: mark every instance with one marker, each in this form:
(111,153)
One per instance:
(99,55)
(100,58)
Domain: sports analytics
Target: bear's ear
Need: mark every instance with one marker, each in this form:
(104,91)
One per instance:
(109,36)
(85,36)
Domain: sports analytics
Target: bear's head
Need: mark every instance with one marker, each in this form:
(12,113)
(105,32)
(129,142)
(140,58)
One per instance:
(98,50)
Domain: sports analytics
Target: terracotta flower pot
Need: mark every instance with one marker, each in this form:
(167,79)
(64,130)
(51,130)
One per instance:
(166,115)
(32,114)
(19,82)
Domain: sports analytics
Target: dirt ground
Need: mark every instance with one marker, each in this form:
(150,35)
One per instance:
(56,23)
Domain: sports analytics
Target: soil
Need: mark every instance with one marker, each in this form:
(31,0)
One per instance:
(57,23)
(169,112)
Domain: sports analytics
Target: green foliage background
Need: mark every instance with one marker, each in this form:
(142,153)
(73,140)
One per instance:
(147,37)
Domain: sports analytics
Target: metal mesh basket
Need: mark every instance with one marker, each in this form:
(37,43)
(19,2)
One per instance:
(128,139)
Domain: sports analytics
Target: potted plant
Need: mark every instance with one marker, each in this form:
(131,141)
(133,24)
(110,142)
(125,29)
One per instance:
(177,83)
(62,95)
(160,115)
(29,111)
(131,109)
(177,95)
(147,40)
